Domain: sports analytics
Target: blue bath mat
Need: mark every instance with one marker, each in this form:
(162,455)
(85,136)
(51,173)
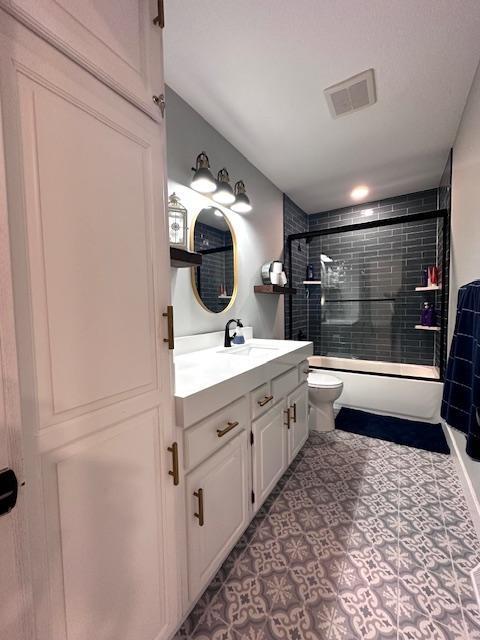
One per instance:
(422,435)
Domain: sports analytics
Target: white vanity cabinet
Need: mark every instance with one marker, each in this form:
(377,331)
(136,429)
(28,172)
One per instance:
(236,437)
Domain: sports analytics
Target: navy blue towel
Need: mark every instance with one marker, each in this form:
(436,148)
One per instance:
(461,392)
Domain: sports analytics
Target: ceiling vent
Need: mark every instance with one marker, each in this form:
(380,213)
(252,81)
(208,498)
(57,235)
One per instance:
(351,95)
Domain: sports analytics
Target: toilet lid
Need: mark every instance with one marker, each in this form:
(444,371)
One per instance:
(323,380)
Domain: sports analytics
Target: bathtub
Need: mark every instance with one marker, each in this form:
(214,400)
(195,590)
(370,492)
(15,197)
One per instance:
(401,396)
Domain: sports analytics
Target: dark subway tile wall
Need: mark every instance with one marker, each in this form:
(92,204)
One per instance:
(369,308)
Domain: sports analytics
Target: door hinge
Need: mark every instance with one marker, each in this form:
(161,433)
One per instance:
(253,497)
(8,490)
(160,102)
(252,438)
(160,17)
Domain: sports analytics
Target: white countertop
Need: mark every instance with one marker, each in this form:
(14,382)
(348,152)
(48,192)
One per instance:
(200,370)
(208,379)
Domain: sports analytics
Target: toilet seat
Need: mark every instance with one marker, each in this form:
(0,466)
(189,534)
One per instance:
(318,380)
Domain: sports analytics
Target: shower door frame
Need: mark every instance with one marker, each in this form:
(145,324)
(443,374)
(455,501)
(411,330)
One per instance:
(444,216)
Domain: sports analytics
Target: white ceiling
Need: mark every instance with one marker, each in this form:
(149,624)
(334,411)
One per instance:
(256,70)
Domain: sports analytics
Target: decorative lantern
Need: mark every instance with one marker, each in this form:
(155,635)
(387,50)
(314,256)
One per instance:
(177,222)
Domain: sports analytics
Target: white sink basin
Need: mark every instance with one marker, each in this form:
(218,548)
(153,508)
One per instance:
(246,351)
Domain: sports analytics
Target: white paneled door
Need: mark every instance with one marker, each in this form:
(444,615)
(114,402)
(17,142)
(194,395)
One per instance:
(85,182)
(116,41)
(16,614)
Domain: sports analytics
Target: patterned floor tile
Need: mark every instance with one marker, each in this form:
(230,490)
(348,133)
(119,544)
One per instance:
(360,539)
(421,627)
(242,600)
(297,623)
(266,557)
(432,594)
(368,612)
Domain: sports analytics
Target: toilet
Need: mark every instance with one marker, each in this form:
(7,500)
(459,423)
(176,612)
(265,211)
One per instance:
(323,390)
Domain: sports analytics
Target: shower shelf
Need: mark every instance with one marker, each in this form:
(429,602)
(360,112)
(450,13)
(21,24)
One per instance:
(275,289)
(420,326)
(433,287)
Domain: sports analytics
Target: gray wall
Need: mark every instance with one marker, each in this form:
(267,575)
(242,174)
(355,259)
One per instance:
(465,241)
(259,234)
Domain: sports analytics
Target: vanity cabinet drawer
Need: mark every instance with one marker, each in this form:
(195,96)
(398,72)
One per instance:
(303,369)
(261,399)
(285,383)
(205,437)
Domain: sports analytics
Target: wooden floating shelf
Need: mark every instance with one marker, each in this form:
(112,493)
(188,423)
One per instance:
(433,287)
(181,258)
(420,326)
(312,282)
(275,289)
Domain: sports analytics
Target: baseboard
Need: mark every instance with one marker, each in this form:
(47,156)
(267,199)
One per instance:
(470,493)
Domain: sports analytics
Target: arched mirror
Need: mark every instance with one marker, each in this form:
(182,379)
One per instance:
(215,281)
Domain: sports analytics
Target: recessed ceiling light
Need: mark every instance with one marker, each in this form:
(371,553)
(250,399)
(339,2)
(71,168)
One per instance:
(360,192)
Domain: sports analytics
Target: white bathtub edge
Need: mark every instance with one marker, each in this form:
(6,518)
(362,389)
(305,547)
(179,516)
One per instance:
(400,397)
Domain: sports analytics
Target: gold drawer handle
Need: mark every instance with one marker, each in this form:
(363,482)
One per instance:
(169,316)
(294,407)
(229,427)
(263,402)
(174,472)
(200,515)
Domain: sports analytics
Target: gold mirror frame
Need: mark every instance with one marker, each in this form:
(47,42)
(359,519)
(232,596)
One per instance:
(191,243)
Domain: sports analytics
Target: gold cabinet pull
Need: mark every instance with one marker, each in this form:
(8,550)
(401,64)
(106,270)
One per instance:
(294,407)
(160,19)
(169,315)
(200,515)
(263,402)
(229,427)
(174,472)
(287,414)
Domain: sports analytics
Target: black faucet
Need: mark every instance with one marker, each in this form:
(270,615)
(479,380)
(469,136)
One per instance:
(228,340)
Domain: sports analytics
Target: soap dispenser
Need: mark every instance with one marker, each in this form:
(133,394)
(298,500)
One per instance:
(239,338)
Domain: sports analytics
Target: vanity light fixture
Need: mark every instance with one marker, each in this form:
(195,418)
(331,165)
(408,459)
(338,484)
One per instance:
(242,202)
(203,180)
(224,192)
